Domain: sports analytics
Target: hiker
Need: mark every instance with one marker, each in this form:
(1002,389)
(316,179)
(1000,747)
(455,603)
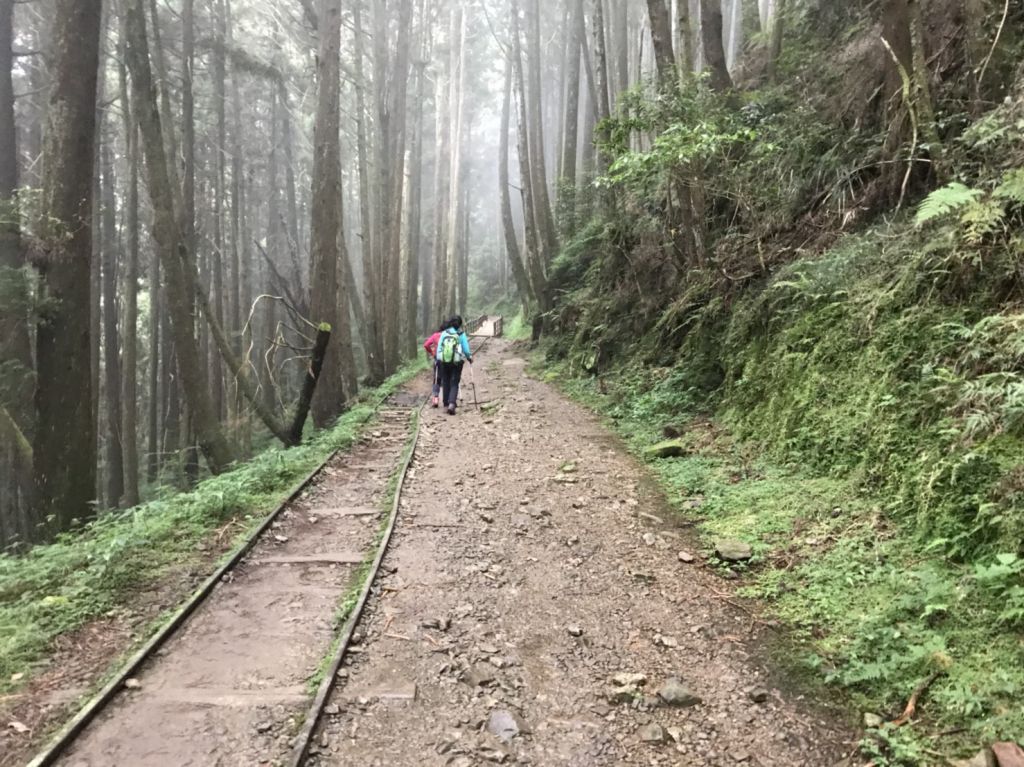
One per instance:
(452,352)
(430,347)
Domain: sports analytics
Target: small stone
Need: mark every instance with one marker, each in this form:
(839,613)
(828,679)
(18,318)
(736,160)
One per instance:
(132,684)
(652,733)
(731,550)
(675,733)
(758,695)
(669,642)
(332,710)
(686,556)
(477,676)
(872,721)
(674,693)
(626,679)
(650,539)
(738,755)
(575,631)
(488,518)
(984,758)
(263,727)
(505,725)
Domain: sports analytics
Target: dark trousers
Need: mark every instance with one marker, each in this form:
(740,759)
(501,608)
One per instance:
(450,374)
(437,378)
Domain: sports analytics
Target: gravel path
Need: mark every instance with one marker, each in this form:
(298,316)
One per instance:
(533,609)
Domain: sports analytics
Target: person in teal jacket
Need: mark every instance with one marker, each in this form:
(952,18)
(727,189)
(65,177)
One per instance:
(452,352)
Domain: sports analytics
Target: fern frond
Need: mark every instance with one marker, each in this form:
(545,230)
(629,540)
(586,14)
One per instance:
(981,219)
(944,201)
(1011,187)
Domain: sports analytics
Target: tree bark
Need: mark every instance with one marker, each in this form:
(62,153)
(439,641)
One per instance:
(534,257)
(661,37)
(778,28)
(443,171)
(323,337)
(129,430)
(541,200)
(373,340)
(513,254)
(65,438)
(458,116)
(171,244)
(570,119)
(414,217)
(328,402)
(111,344)
(714,48)
(15,345)
(684,40)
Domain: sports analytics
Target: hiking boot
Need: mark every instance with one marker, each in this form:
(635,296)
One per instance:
(435,401)
(451,410)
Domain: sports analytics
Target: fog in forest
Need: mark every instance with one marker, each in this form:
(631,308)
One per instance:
(204,200)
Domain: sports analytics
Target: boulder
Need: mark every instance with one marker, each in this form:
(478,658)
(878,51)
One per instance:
(732,550)
(670,448)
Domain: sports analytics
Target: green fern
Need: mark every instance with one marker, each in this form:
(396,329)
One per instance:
(944,201)
(980,219)
(1011,188)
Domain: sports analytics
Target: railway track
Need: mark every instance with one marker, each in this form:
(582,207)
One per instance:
(110,729)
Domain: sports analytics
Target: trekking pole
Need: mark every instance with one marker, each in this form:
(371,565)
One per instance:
(472,381)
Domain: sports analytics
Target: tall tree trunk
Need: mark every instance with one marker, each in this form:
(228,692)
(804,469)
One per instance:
(570,119)
(219,194)
(444,181)
(541,200)
(684,40)
(65,439)
(171,244)
(622,28)
(233,321)
(603,107)
(373,340)
(778,28)
(111,345)
(328,402)
(155,390)
(534,257)
(714,47)
(15,345)
(129,430)
(661,37)
(514,257)
(391,105)
(414,219)
(458,115)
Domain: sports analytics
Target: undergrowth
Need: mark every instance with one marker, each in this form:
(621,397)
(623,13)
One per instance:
(851,391)
(94,572)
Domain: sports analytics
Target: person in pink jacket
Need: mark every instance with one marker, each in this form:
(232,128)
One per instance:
(430,347)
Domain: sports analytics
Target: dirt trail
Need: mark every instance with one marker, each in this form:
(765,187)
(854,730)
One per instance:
(518,585)
(229,687)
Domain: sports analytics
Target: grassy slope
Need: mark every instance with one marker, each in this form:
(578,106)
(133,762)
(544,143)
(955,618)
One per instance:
(857,415)
(845,447)
(59,587)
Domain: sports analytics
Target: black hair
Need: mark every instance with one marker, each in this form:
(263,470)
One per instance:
(455,322)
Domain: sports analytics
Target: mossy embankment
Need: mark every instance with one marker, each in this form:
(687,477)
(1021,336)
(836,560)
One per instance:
(846,368)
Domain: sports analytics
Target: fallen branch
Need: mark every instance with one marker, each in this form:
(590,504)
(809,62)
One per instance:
(911,709)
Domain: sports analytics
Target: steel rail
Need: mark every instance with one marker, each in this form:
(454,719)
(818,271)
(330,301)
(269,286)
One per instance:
(73,728)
